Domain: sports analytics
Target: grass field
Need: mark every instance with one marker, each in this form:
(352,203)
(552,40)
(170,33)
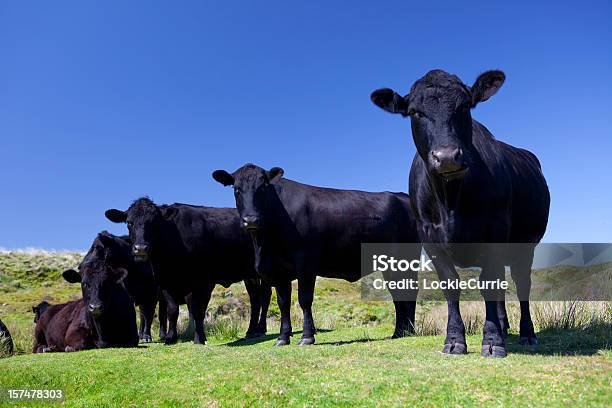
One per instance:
(354,363)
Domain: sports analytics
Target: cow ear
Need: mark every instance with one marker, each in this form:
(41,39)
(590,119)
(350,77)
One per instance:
(117,216)
(169,212)
(486,85)
(105,239)
(390,101)
(120,274)
(223,177)
(71,276)
(275,174)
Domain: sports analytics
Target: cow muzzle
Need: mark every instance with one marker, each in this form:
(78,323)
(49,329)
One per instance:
(447,162)
(95,309)
(250,223)
(140,252)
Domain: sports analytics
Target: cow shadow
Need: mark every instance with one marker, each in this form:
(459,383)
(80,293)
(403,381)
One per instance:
(346,342)
(565,342)
(250,341)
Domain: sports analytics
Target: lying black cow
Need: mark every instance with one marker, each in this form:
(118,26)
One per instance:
(301,232)
(104,317)
(112,251)
(191,249)
(467,187)
(63,327)
(6,341)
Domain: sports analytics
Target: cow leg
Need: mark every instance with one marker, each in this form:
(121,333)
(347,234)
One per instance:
(492,337)
(283,296)
(265,293)
(78,337)
(40,340)
(142,322)
(455,329)
(252,287)
(162,315)
(199,305)
(404,318)
(521,275)
(306,285)
(172,308)
(503,316)
(405,306)
(147,311)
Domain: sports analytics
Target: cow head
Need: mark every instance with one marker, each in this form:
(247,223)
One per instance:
(251,187)
(144,220)
(39,309)
(101,283)
(439,107)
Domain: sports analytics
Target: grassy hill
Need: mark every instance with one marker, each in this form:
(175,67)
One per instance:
(353,363)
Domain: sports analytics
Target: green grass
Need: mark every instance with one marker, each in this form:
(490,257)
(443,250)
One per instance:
(354,363)
(348,367)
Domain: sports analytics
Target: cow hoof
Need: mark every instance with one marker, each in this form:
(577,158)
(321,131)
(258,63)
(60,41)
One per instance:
(47,350)
(69,349)
(489,350)
(455,348)
(528,341)
(253,335)
(203,343)
(169,341)
(306,341)
(146,339)
(282,342)
(399,335)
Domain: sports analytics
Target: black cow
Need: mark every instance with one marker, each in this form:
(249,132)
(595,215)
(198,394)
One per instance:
(6,341)
(301,232)
(112,251)
(104,317)
(63,327)
(467,187)
(191,249)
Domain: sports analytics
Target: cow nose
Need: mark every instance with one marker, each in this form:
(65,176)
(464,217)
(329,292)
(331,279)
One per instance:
(446,159)
(95,309)
(140,249)
(250,222)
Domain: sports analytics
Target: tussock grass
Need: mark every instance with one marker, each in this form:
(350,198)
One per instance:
(6,346)
(589,317)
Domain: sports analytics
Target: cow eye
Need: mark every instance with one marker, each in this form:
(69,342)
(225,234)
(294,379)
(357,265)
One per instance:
(236,192)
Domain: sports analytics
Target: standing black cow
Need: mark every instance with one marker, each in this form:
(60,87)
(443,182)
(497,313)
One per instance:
(467,187)
(104,317)
(301,232)
(6,342)
(191,249)
(112,251)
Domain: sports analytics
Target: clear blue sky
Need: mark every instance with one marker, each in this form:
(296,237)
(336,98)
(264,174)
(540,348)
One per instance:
(102,103)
